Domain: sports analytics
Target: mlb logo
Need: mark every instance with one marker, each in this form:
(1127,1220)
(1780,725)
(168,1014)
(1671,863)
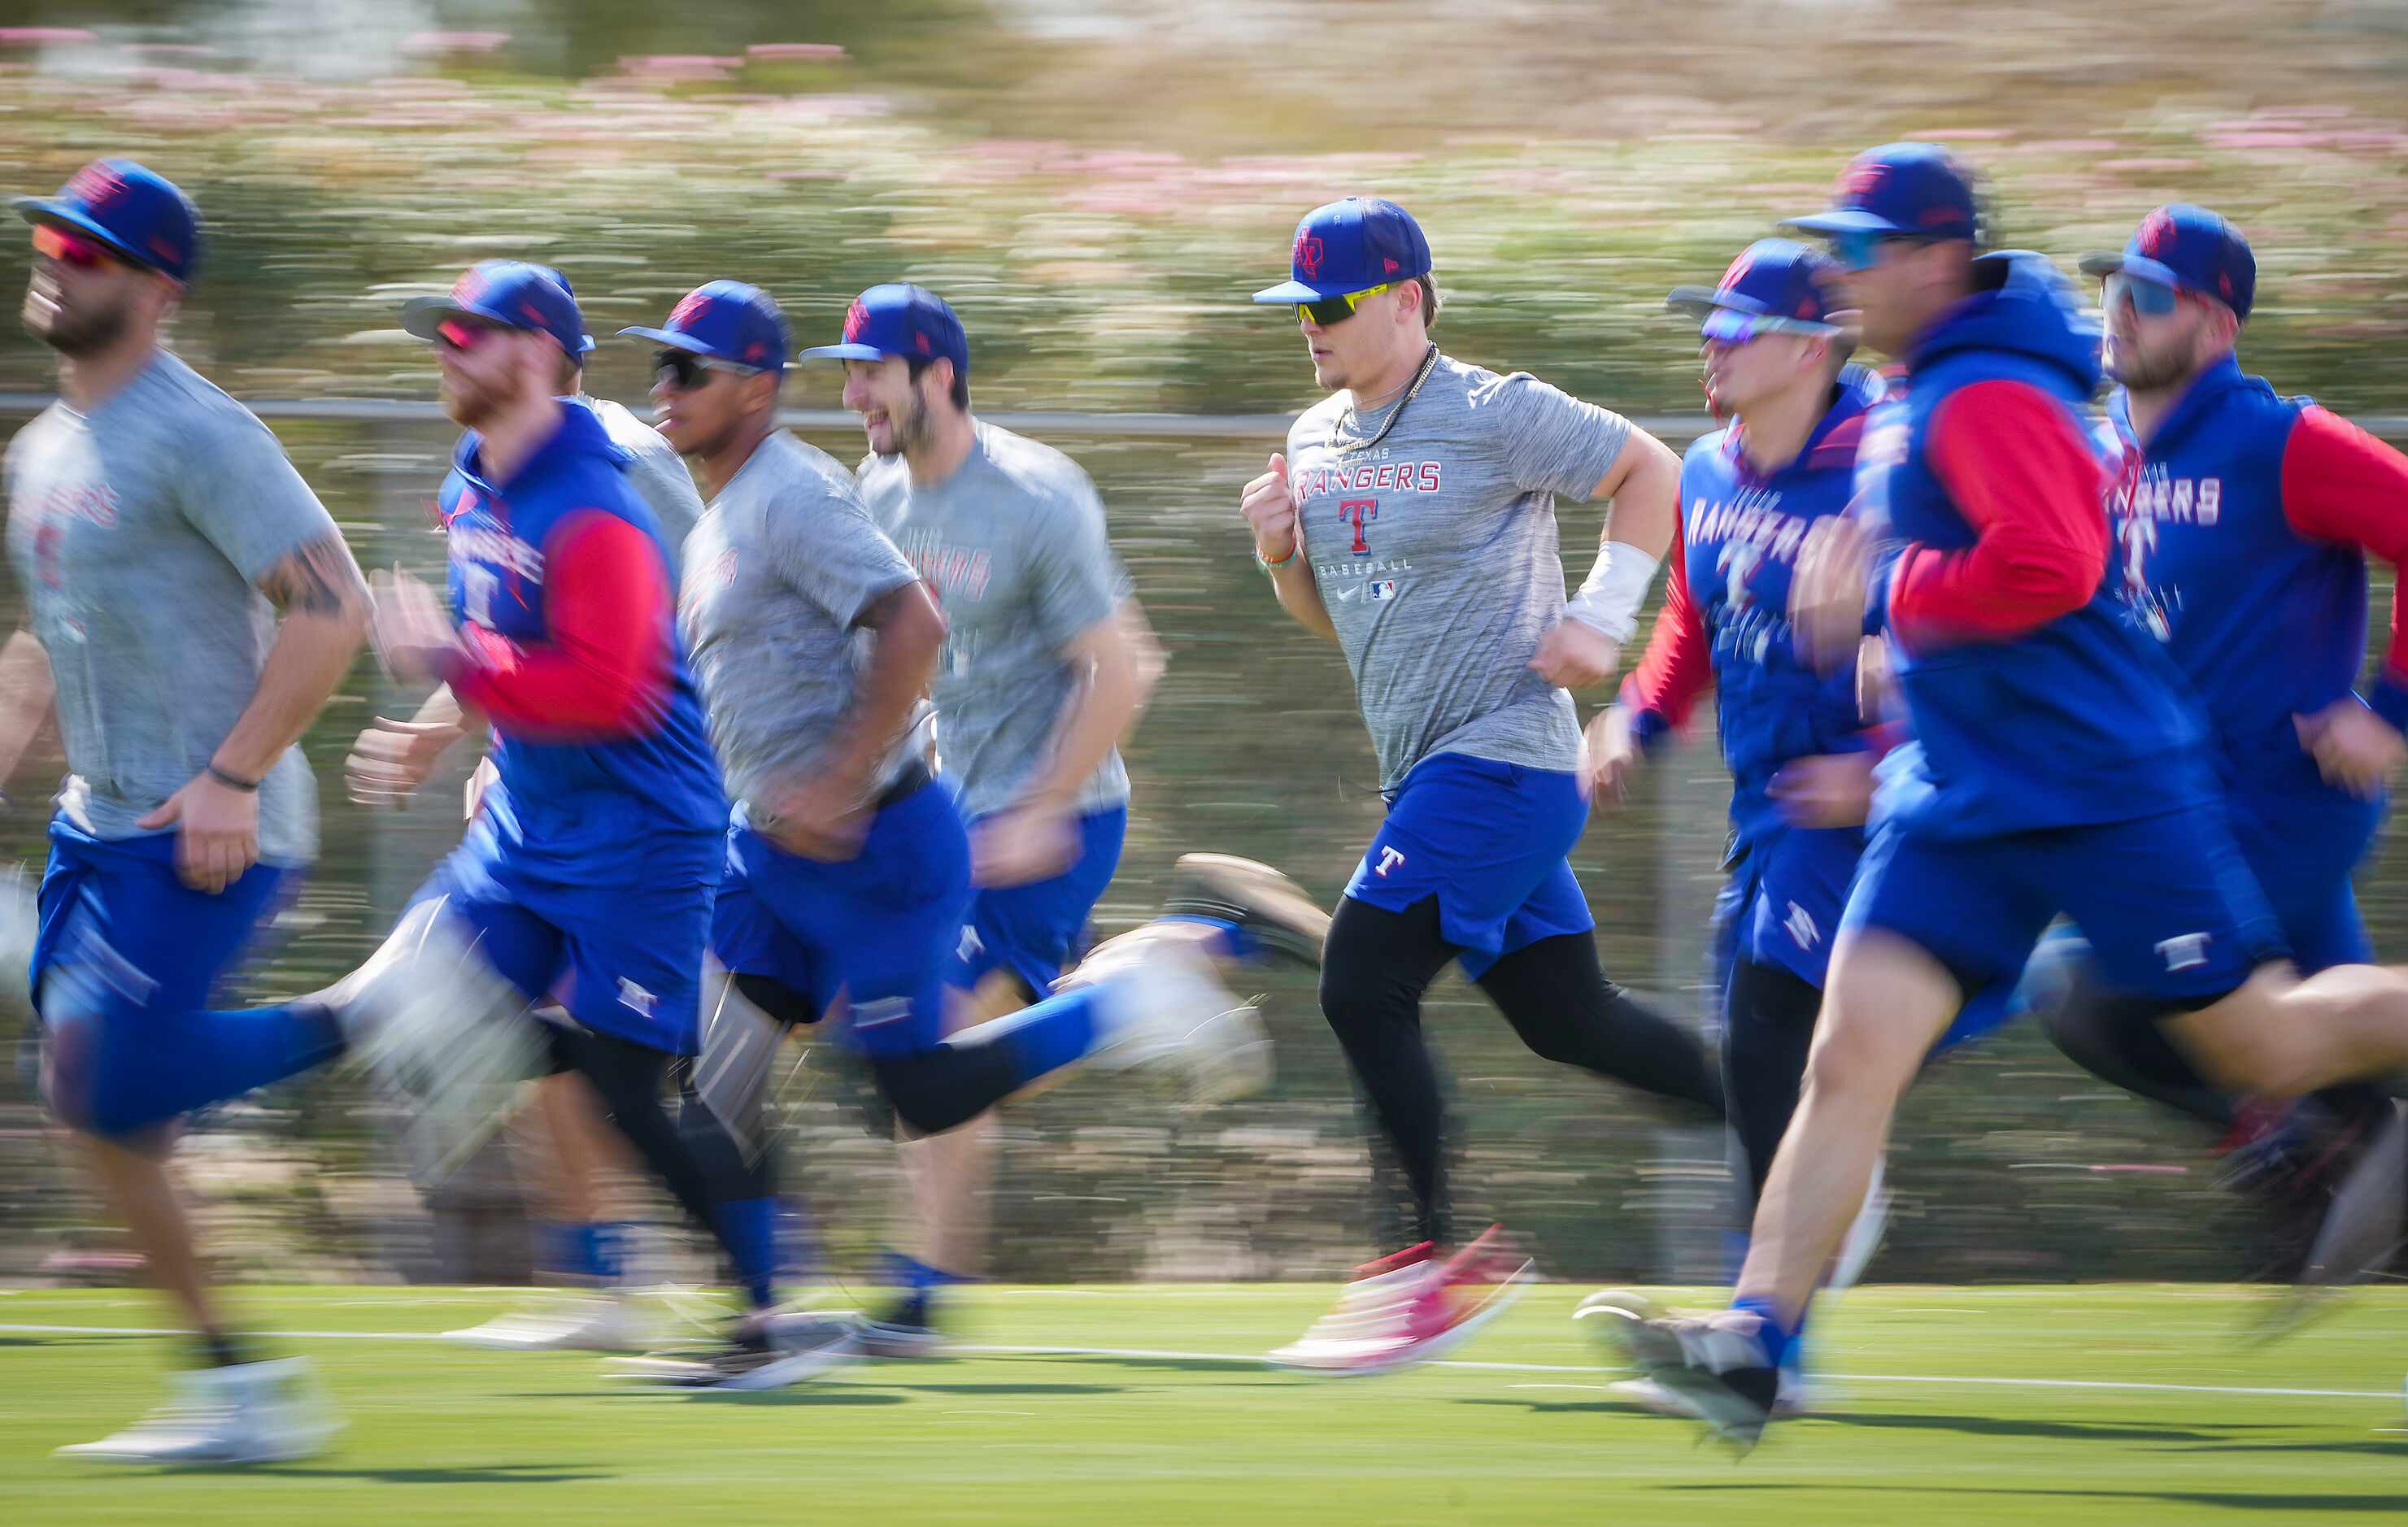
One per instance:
(1383,588)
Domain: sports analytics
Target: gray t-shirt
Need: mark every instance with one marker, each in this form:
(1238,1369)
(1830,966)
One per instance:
(1436,553)
(657,473)
(1014,543)
(138,533)
(778,572)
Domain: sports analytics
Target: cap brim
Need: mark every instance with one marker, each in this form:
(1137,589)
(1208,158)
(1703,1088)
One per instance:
(43,210)
(670,338)
(843,352)
(1698,301)
(2132,265)
(1844,222)
(421,316)
(1289,294)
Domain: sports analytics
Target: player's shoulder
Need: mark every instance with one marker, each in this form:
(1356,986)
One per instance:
(1313,426)
(1037,474)
(799,474)
(171,397)
(630,433)
(1705,452)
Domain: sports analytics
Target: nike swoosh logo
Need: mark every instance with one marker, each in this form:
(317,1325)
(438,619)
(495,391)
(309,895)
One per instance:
(1350,593)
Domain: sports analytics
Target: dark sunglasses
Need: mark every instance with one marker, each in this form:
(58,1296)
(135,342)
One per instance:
(683,371)
(72,250)
(2150,299)
(1859,248)
(1337,310)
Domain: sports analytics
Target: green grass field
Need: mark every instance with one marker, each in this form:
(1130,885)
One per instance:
(1958,1405)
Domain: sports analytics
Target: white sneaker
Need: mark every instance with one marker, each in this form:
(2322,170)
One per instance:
(1163,1007)
(787,1349)
(249,1413)
(1370,1311)
(433,1022)
(600,1324)
(1795,1398)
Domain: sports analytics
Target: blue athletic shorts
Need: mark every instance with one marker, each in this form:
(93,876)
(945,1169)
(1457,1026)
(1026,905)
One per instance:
(123,954)
(2166,902)
(880,928)
(1490,841)
(623,959)
(1788,892)
(2302,847)
(1034,930)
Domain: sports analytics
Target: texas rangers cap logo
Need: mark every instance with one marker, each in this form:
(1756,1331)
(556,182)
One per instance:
(856,322)
(2156,230)
(1858,181)
(1308,255)
(1738,268)
(690,307)
(95,185)
(469,287)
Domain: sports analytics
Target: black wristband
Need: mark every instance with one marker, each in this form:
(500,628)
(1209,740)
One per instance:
(233,781)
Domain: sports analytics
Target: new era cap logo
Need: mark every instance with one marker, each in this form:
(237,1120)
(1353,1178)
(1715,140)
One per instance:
(690,307)
(856,322)
(1307,256)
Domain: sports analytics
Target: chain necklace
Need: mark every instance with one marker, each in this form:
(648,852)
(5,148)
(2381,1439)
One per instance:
(1345,448)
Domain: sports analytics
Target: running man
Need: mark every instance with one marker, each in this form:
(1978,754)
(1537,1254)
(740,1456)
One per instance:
(579,1243)
(1799,755)
(158,532)
(2057,762)
(1046,666)
(588,874)
(1412,521)
(848,863)
(2245,519)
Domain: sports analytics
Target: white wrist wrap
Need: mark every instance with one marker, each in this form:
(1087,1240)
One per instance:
(1616,587)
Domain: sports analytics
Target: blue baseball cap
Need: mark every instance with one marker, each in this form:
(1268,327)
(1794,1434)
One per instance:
(137,214)
(726,321)
(511,293)
(2190,248)
(585,342)
(1916,189)
(1351,246)
(896,319)
(1776,285)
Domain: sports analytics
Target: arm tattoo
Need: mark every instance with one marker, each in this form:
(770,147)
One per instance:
(317,578)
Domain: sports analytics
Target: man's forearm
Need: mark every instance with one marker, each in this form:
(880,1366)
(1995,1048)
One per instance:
(1300,596)
(312,654)
(26,691)
(1097,713)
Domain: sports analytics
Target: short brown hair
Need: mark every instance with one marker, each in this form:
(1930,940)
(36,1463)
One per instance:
(1429,299)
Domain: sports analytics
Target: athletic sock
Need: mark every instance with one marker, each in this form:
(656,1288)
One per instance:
(1230,940)
(1780,1336)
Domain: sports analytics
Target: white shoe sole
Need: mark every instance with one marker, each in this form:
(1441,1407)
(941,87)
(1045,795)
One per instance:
(1297,1358)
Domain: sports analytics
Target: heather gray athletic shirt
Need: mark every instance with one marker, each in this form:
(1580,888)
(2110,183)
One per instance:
(1436,555)
(778,572)
(138,533)
(1013,543)
(657,473)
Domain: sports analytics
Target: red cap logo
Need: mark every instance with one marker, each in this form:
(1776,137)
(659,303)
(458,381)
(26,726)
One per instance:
(856,322)
(1859,180)
(1307,256)
(469,287)
(2156,231)
(95,185)
(1739,268)
(690,307)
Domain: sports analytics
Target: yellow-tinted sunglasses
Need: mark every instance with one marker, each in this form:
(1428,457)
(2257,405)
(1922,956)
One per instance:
(1337,310)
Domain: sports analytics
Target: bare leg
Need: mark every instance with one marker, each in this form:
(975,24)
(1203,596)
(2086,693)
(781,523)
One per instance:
(586,1153)
(1884,1003)
(134,1177)
(950,1172)
(2280,1036)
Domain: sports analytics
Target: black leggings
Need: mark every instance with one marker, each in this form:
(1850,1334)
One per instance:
(932,1090)
(696,1157)
(1374,972)
(1768,1028)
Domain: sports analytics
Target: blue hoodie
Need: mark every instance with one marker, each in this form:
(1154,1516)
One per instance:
(2034,697)
(561,586)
